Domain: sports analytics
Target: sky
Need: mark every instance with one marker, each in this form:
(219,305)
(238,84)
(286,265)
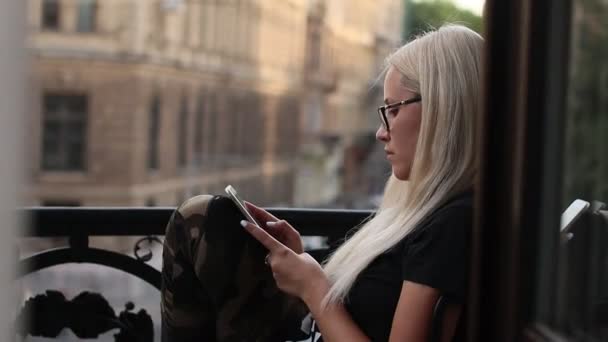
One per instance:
(474,6)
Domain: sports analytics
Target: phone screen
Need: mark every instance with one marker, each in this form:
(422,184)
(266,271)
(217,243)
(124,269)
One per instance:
(240,204)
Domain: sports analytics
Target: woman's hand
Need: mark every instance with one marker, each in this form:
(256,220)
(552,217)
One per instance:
(299,275)
(279,229)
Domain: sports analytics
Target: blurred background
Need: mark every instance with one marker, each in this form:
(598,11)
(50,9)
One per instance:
(149,102)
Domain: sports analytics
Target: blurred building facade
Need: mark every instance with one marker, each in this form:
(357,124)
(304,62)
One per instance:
(348,43)
(150,102)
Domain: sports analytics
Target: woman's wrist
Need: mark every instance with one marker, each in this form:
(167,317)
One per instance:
(315,293)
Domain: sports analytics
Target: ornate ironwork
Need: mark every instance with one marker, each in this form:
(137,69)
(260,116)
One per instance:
(138,247)
(97,256)
(88,315)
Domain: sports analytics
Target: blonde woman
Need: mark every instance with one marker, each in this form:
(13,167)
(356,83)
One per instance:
(383,282)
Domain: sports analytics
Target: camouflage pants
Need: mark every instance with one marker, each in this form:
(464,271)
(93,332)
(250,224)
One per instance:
(216,286)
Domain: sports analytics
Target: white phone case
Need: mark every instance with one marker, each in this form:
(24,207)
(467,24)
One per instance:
(239,203)
(570,215)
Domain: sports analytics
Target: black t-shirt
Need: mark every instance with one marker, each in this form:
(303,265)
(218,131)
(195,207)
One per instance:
(434,254)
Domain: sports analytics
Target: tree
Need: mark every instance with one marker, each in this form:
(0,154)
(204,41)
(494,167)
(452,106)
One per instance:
(585,160)
(424,15)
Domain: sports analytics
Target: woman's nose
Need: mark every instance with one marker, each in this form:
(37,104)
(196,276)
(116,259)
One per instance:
(382,134)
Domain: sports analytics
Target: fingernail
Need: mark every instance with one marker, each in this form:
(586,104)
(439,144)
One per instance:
(244,223)
(271,223)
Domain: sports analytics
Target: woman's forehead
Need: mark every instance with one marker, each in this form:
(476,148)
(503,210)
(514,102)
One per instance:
(392,79)
(393,85)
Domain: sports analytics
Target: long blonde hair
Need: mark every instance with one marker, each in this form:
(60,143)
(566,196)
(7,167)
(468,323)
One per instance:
(443,66)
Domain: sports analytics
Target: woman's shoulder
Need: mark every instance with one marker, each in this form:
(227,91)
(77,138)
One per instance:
(455,214)
(460,202)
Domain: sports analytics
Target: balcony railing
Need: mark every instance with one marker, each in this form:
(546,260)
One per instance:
(88,315)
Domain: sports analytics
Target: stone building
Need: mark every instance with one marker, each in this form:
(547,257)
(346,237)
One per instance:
(149,102)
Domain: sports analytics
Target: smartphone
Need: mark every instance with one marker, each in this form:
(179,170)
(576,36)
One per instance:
(571,214)
(240,204)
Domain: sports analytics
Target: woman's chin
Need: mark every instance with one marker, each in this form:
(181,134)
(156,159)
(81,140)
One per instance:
(401,174)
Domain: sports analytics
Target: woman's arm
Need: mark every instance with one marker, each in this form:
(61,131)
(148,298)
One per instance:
(411,321)
(335,323)
(301,275)
(414,314)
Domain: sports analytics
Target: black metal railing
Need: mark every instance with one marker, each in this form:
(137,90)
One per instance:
(88,315)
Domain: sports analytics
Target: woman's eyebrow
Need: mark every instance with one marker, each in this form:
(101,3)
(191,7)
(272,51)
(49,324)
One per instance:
(387,101)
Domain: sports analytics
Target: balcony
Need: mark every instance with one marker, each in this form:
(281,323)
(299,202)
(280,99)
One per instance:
(89,314)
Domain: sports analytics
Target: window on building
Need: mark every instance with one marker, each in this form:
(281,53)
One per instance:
(211,137)
(50,14)
(199,129)
(247,117)
(313,50)
(240,128)
(87,13)
(64,120)
(287,127)
(232,115)
(257,126)
(153,133)
(182,134)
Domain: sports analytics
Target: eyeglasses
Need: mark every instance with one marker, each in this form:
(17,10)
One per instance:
(383,109)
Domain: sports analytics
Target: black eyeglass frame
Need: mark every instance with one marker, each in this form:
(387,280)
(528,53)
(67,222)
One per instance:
(382,110)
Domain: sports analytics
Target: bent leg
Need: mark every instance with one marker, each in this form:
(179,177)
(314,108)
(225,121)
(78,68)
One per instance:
(216,286)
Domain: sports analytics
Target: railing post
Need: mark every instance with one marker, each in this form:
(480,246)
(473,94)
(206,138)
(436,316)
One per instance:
(79,242)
